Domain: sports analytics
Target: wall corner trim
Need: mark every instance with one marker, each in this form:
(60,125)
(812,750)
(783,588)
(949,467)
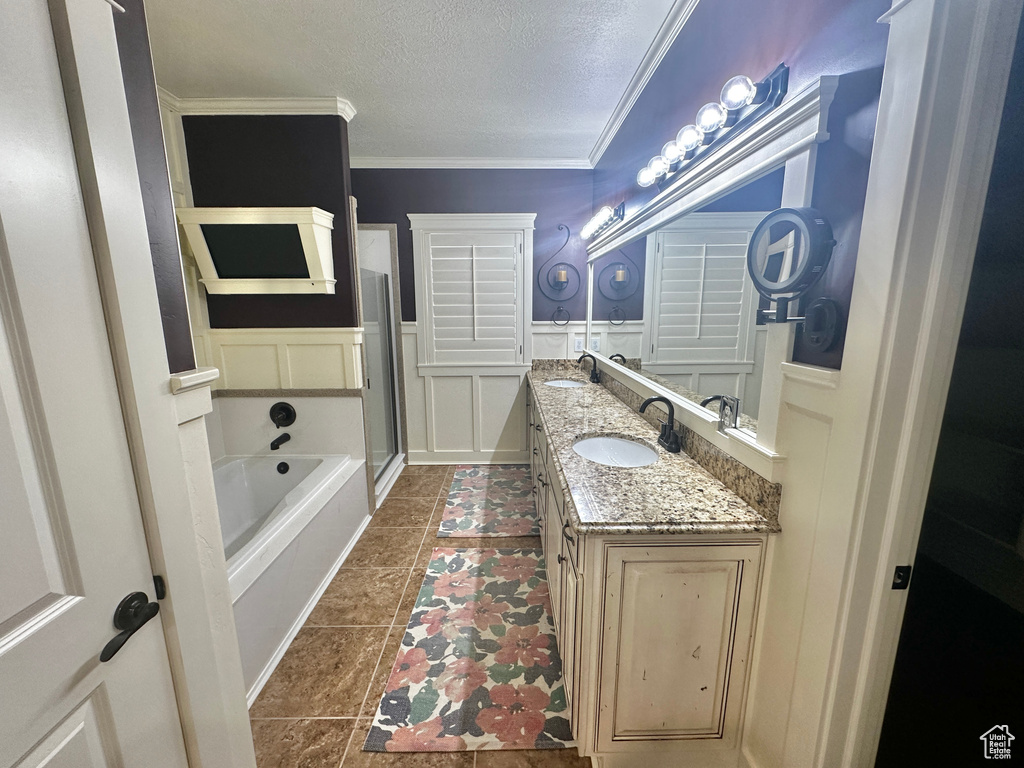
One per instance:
(677,17)
(197,377)
(325,105)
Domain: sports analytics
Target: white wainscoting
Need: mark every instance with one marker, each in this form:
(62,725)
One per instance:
(558,342)
(285,358)
(463,414)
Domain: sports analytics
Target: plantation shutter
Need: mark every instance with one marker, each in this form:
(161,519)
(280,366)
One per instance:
(702,304)
(475,306)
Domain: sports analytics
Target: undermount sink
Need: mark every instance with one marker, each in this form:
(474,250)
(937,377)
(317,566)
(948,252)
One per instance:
(564,383)
(615,451)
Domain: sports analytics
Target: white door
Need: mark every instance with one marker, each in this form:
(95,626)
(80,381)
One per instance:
(72,543)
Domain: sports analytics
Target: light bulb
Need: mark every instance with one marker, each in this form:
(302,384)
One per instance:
(659,165)
(645,177)
(711,117)
(689,138)
(738,92)
(588,230)
(671,152)
(604,214)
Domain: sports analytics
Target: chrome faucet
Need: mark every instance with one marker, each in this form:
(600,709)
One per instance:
(669,438)
(595,375)
(279,441)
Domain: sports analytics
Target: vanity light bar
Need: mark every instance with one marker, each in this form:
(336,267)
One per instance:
(741,102)
(603,219)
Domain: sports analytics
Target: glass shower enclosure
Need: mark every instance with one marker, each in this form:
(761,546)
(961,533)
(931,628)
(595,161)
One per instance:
(379,343)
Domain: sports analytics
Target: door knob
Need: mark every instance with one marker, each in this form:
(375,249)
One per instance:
(132,612)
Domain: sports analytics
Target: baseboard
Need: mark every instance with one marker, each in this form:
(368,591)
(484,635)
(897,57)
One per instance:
(268,670)
(469,457)
(383,486)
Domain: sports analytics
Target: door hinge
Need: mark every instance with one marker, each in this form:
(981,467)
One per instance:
(901,576)
(159,587)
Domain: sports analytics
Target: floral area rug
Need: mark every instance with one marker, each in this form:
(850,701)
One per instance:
(490,500)
(478,667)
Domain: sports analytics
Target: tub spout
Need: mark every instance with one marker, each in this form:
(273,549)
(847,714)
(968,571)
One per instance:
(279,441)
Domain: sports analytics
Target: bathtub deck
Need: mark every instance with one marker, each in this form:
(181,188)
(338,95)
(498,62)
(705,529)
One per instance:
(317,706)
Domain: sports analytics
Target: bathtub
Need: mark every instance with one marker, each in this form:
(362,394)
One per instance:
(287,522)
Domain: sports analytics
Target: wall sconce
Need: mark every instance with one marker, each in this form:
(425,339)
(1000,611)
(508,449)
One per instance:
(742,101)
(618,281)
(603,219)
(559,282)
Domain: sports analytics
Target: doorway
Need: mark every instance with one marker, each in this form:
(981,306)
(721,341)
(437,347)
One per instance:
(955,691)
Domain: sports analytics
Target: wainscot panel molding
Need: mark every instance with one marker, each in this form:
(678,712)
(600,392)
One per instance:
(285,358)
(558,342)
(463,414)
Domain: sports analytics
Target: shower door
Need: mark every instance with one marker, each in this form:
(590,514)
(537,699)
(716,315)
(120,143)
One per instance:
(382,412)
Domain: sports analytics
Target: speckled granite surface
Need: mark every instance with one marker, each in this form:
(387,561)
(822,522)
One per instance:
(673,495)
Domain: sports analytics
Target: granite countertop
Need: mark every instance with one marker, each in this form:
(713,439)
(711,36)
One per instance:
(673,495)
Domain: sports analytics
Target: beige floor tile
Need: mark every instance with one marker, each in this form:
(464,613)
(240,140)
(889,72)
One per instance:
(538,758)
(383,672)
(356,758)
(324,673)
(386,548)
(360,597)
(412,590)
(398,513)
(426,469)
(420,486)
(300,743)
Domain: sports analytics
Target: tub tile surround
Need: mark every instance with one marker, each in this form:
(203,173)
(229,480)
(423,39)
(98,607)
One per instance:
(348,637)
(673,495)
(760,493)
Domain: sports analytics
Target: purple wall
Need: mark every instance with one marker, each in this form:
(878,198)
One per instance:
(728,37)
(277,161)
(557,197)
(148,141)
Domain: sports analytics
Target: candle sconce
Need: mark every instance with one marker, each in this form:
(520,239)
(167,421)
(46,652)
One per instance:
(618,281)
(561,281)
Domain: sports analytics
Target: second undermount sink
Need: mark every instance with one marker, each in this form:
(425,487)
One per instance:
(615,451)
(564,383)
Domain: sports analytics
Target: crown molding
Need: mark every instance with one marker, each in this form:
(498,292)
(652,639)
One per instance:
(579,163)
(327,105)
(677,17)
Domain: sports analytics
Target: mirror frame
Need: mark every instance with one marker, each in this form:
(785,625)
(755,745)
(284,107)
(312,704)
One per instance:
(787,137)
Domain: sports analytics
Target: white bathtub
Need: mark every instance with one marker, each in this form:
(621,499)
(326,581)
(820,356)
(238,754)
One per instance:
(285,536)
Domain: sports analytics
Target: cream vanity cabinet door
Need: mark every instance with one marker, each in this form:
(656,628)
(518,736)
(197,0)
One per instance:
(568,634)
(677,626)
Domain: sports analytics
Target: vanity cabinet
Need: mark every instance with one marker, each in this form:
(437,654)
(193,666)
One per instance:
(654,631)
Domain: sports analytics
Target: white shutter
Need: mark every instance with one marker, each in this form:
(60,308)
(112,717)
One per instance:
(474,301)
(703,300)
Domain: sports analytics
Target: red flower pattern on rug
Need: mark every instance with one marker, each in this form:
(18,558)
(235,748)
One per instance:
(490,500)
(477,669)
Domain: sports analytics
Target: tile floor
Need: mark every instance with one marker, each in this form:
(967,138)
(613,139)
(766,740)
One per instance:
(316,709)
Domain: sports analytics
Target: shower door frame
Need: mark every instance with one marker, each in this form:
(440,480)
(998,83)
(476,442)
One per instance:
(397,462)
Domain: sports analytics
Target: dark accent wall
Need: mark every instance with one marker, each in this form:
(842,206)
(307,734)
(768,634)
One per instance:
(147,138)
(277,161)
(556,196)
(721,39)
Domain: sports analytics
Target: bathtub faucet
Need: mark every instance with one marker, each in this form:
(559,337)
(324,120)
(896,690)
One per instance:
(279,441)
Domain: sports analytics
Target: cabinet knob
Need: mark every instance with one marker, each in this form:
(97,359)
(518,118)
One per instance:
(561,559)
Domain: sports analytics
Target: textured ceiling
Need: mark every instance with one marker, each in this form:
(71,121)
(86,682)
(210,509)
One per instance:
(428,78)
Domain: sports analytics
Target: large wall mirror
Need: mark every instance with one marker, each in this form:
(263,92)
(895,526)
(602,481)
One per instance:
(678,304)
